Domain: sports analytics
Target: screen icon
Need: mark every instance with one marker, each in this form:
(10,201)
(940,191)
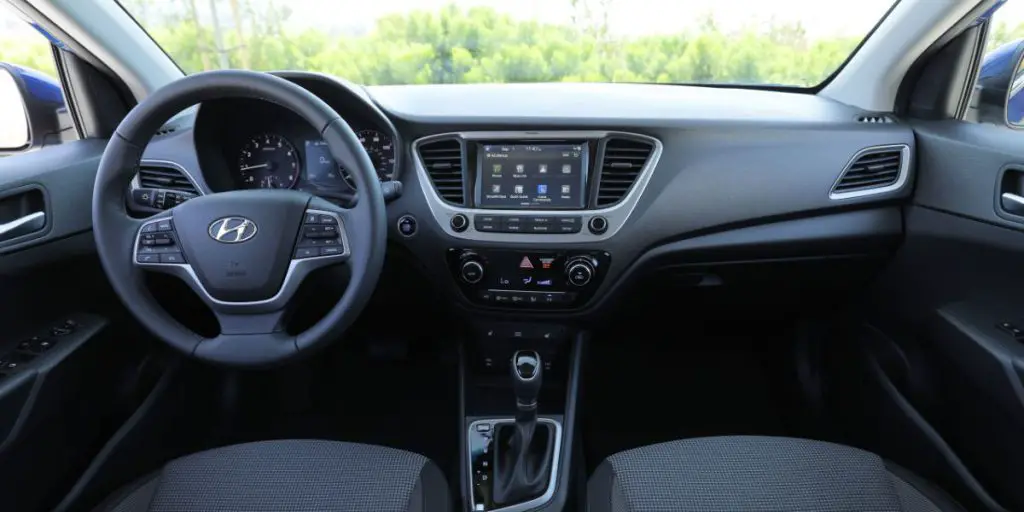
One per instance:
(497,168)
(565,189)
(526,263)
(542,189)
(495,189)
(519,189)
(543,168)
(520,168)
(566,169)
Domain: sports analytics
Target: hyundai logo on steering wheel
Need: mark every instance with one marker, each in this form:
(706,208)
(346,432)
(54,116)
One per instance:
(232,230)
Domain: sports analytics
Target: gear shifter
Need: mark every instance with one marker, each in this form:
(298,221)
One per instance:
(522,460)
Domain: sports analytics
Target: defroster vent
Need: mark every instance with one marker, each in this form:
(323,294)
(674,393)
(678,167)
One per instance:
(621,166)
(874,169)
(165,178)
(442,160)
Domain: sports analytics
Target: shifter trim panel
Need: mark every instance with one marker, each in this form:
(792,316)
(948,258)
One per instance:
(480,437)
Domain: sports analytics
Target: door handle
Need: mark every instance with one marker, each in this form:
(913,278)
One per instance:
(25,225)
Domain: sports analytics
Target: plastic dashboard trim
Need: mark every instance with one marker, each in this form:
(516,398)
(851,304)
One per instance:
(616,215)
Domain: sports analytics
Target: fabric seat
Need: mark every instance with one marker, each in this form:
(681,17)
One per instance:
(747,473)
(287,476)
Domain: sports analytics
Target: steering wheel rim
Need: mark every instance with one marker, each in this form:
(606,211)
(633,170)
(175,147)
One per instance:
(251,317)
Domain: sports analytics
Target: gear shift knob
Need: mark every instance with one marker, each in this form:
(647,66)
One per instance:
(526,378)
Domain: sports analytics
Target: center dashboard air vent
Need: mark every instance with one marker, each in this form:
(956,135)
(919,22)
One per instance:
(442,159)
(623,160)
(165,178)
(874,170)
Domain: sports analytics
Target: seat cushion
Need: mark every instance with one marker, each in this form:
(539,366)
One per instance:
(749,473)
(286,476)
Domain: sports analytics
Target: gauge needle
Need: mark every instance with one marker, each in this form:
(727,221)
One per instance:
(251,167)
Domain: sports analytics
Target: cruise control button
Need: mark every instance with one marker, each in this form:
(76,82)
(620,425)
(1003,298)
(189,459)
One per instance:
(307,252)
(171,257)
(331,250)
(147,258)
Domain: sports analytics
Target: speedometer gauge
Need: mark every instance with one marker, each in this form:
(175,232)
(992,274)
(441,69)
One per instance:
(381,150)
(268,161)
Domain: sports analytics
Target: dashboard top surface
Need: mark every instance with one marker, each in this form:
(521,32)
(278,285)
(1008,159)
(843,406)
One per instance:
(673,104)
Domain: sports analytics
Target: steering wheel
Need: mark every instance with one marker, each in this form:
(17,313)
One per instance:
(244,252)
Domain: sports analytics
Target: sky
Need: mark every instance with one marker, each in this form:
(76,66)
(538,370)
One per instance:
(627,17)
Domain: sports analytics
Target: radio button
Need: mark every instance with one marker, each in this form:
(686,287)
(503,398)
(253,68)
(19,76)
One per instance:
(487,223)
(568,224)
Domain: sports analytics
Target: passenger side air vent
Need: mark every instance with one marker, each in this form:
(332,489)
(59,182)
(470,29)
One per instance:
(165,178)
(622,163)
(873,169)
(442,160)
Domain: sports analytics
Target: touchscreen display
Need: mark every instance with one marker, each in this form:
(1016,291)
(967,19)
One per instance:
(523,176)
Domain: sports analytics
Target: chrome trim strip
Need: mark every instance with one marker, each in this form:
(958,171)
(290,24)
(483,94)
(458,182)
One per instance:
(901,178)
(617,214)
(20,221)
(537,502)
(297,270)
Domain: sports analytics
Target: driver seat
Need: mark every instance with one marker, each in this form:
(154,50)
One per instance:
(289,476)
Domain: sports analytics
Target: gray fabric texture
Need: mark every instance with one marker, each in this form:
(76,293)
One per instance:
(749,473)
(290,476)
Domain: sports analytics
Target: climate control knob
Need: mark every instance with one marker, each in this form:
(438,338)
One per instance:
(471,271)
(579,271)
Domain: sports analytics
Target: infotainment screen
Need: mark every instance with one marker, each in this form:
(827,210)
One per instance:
(532,176)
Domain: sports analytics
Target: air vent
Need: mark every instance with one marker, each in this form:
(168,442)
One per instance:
(166,178)
(443,161)
(623,160)
(873,169)
(875,119)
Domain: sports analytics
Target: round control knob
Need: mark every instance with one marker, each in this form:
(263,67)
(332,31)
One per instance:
(597,225)
(471,271)
(459,222)
(579,272)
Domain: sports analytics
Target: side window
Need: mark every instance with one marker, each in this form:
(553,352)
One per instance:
(33,113)
(998,97)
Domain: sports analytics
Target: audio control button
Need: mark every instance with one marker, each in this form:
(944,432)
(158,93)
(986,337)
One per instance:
(568,224)
(459,222)
(487,223)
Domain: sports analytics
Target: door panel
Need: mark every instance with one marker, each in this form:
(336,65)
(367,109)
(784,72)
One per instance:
(952,300)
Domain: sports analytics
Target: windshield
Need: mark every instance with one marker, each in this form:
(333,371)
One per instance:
(783,42)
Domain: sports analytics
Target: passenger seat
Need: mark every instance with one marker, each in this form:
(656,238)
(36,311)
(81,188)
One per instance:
(749,473)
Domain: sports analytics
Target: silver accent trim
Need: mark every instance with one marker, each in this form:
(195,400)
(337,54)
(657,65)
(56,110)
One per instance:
(298,269)
(239,231)
(901,177)
(20,221)
(135,183)
(616,214)
(537,502)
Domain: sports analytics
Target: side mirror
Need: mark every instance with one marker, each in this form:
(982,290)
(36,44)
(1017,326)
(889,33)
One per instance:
(32,110)
(998,97)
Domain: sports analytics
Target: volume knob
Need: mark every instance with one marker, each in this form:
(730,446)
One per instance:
(579,272)
(471,271)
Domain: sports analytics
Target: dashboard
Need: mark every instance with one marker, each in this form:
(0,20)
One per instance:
(535,199)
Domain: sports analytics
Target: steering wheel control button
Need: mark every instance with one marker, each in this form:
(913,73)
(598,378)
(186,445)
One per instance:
(598,225)
(172,258)
(407,225)
(307,252)
(312,218)
(164,225)
(459,222)
(147,258)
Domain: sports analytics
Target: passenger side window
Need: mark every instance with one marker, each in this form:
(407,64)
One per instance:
(33,113)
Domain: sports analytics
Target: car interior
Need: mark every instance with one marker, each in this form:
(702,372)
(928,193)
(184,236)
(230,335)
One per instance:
(242,290)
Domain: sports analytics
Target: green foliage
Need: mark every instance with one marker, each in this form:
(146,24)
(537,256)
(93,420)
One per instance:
(480,44)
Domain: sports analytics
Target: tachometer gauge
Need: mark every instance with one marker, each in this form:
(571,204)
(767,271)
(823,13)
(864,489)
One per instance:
(268,161)
(381,149)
